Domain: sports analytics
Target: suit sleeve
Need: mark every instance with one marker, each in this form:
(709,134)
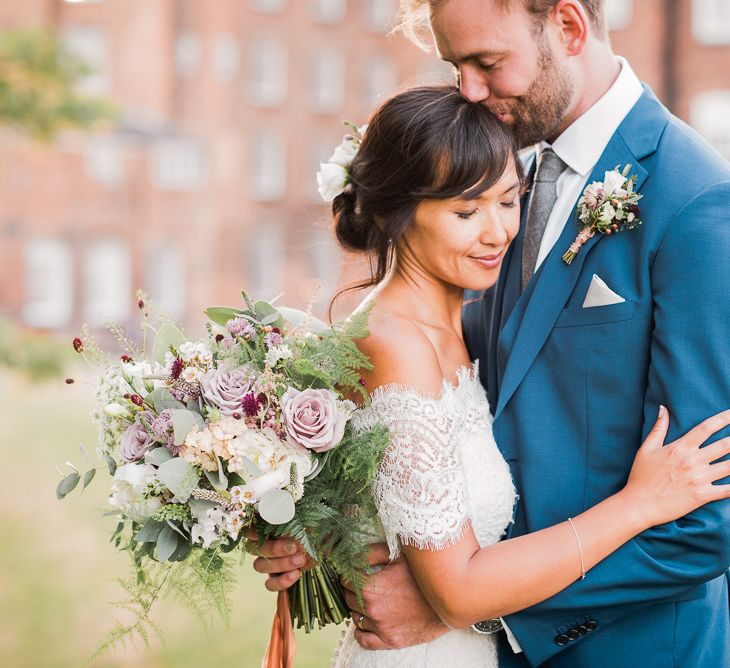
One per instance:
(690,374)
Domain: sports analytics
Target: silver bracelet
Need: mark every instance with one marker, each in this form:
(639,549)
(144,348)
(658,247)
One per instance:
(580,550)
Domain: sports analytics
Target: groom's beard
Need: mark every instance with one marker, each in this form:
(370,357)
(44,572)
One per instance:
(539,113)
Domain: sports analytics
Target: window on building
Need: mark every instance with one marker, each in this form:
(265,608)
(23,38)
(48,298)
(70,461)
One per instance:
(48,283)
(267,6)
(268,72)
(619,13)
(379,14)
(320,152)
(329,11)
(381,79)
(176,165)
(267,167)
(188,54)
(165,280)
(266,258)
(107,282)
(328,80)
(325,259)
(89,44)
(710,115)
(711,21)
(104,161)
(226,58)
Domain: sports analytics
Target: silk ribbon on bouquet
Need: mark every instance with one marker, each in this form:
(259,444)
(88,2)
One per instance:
(282,643)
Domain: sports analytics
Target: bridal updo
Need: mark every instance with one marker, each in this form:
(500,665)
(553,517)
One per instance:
(424,143)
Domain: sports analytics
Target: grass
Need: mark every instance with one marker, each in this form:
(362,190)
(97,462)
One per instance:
(57,568)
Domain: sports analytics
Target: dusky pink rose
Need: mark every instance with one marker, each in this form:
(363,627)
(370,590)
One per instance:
(227,388)
(135,440)
(313,419)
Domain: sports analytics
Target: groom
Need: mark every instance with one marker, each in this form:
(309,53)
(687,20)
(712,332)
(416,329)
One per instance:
(577,358)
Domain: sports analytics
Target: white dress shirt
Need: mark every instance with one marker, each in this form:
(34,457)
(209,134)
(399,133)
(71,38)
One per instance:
(580,146)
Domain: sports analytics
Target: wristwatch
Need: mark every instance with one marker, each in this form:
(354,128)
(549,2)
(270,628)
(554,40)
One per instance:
(488,627)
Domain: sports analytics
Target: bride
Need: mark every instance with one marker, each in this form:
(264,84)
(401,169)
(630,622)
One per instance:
(433,198)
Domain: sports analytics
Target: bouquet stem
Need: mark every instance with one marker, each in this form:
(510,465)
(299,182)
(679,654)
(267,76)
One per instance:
(318,597)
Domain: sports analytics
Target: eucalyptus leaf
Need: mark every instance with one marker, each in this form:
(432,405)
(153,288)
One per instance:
(220,315)
(157,456)
(88,477)
(183,422)
(67,485)
(111,464)
(319,463)
(173,526)
(266,314)
(179,476)
(217,478)
(295,317)
(276,506)
(162,398)
(166,543)
(183,550)
(149,532)
(168,336)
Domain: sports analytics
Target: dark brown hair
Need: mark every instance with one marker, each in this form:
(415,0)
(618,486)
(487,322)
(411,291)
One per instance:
(424,143)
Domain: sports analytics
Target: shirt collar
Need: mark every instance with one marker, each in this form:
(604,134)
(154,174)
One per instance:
(581,144)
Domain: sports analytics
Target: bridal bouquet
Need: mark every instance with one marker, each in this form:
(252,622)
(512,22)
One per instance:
(244,432)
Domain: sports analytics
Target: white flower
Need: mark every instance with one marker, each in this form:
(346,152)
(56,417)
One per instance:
(608,213)
(278,353)
(208,527)
(331,180)
(191,374)
(344,153)
(612,180)
(130,481)
(115,410)
(195,352)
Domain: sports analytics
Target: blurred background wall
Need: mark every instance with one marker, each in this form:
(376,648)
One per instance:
(205,182)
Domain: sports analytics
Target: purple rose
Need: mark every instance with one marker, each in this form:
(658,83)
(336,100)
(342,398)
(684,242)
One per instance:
(313,419)
(135,440)
(227,388)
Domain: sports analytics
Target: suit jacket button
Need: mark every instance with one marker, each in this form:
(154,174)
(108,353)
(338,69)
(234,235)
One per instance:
(582,629)
(591,625)
(561,640)
(573,634)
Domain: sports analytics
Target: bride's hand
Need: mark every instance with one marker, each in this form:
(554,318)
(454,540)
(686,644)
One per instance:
(668,482)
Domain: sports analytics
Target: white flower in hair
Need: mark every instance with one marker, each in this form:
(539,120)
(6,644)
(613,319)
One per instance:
(334,175)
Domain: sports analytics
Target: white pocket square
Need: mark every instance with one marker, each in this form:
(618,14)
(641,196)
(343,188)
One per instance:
(599,294)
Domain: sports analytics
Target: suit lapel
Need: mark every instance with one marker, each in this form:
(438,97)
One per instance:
(537,310)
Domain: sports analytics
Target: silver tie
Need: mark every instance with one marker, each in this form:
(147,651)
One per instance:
(542,201)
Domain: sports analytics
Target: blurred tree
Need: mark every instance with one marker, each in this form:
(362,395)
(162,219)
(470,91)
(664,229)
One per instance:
(39,86)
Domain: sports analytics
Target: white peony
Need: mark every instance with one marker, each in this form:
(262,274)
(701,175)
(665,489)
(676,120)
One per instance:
(344,153)
(331,179)
(612,181)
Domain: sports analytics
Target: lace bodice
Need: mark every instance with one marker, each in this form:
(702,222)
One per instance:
(440,474)
(442,470)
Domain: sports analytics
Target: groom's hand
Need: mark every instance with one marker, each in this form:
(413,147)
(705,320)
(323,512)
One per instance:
(396,614)
(283,560)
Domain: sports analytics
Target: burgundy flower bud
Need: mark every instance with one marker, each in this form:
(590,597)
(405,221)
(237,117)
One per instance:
(362,382)
(177,368)
(236,416)
(70,381)
(136,400)
(219,338)
(78,345)
(250,405)
(126,359)
(140,304)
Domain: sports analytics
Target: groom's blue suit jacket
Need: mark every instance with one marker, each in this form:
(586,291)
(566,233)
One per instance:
(574,391)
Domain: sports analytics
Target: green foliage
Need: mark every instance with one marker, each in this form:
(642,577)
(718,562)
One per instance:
(38,86)
(39,356)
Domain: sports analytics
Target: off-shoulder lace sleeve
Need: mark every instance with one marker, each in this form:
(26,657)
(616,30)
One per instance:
(419,488)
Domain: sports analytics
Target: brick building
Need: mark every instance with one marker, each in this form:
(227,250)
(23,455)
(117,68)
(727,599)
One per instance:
(206,183)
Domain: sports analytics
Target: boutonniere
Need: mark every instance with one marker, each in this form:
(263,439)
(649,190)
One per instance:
(606,208)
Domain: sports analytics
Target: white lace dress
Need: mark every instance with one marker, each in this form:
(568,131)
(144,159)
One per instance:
(441,473)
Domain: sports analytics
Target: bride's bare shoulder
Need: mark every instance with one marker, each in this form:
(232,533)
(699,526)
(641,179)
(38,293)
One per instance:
(400,353)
